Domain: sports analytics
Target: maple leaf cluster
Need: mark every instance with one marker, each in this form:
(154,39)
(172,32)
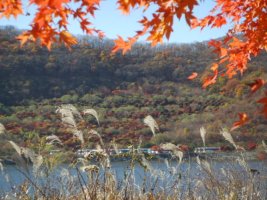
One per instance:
(246,38)
(50,23)
(161,23)
(10,8)
(243,117)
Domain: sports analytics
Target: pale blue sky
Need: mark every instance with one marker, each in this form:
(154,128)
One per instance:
(110,20)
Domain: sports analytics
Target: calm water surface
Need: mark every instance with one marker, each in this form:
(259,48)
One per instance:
(12,177)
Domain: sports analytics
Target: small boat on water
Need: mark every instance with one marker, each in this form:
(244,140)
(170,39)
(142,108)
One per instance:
(205,150)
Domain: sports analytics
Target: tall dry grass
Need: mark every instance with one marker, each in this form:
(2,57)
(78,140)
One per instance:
(95,179)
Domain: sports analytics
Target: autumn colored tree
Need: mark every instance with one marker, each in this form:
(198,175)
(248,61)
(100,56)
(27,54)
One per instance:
(246,38)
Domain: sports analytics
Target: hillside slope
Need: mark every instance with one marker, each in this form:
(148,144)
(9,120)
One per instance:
(123,89)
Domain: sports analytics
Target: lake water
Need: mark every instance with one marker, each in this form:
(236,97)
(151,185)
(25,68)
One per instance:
(169,172)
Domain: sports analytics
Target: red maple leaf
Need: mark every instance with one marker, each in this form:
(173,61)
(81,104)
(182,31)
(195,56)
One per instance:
(243,119)
(210,79)
(257,84)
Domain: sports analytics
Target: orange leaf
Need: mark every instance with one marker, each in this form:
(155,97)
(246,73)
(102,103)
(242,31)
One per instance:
(123,45)
(120,44)
(214,66)
(257,84)
(223,52)
(192,76)
(10,8)
(210,79)
(243,119)
(84,25)
(219,22)
(23,38)
(194,23)
(67,38)
(57,4)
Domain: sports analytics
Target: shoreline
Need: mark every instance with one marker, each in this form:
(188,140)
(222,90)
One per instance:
(216,156)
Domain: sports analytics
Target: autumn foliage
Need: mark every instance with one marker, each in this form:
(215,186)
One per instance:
(245,39)
(243,119)
(51,19)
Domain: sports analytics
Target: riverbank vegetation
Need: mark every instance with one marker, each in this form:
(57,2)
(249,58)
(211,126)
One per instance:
(94,177)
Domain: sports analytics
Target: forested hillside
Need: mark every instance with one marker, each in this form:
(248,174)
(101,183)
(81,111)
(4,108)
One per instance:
(123,89)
